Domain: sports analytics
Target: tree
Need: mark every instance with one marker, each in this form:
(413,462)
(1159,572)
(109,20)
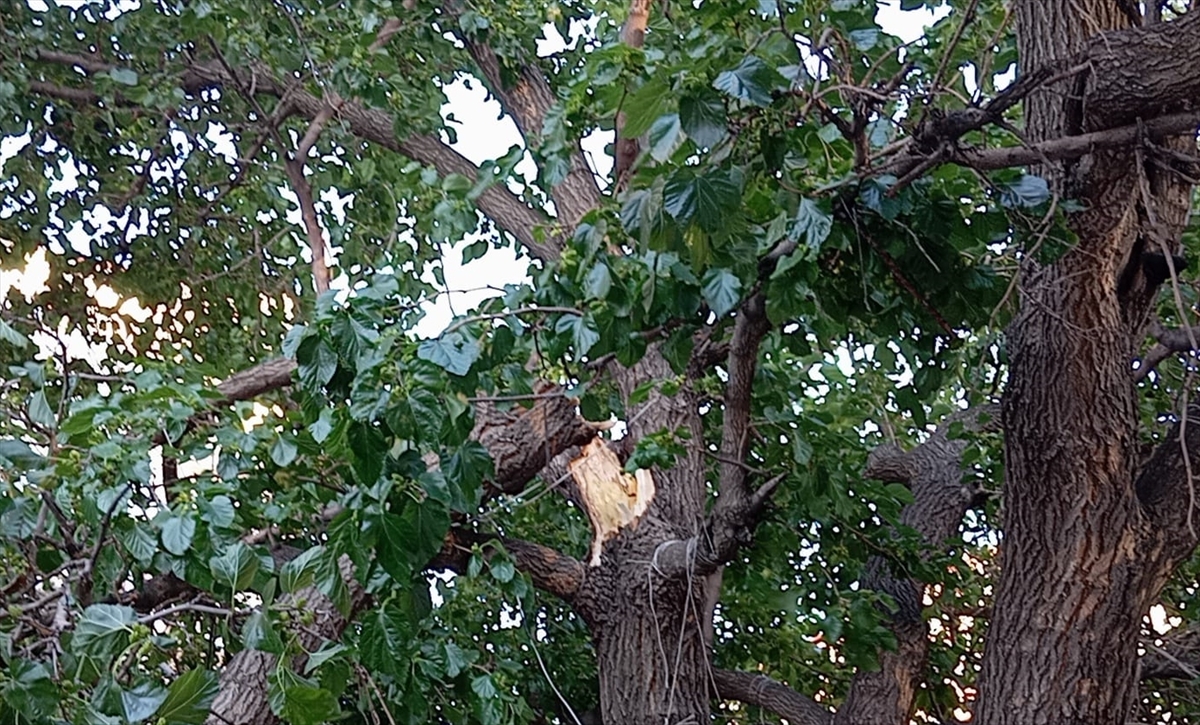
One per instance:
(860,389)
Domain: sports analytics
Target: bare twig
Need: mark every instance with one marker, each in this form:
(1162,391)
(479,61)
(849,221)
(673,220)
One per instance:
(193,606)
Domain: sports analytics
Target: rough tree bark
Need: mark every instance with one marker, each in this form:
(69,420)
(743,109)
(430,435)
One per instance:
(1081,560)
(652,660)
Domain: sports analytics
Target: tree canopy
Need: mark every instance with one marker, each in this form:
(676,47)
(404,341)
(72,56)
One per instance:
(735,443)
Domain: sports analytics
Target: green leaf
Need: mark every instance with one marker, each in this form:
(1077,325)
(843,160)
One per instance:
(583,332)
(484,687)
(811,224)
(369,447)
(1026,191)
(708,199)
(666,135)
(423,528)
(864,39)
(142,701)
(802,450)
(236,567)
(299,701)
(189,698)
(322,427)
(502,570)
(752,81)
(467,469)
(392,547)
(458,659)
(103,630)
(328,652)
(452,352)
(382,640)
(598,282)
(139,542)
(219,511)
(30,691)
(474,250)
(177,533)
(722,291)
(328,580)
(40,412)
(283,452)
(258,633)
(703,120)
(456,182)
(644,106)
(19,452)
(299,572)
(124,76)
(427,411)
(12,336)
(316,361)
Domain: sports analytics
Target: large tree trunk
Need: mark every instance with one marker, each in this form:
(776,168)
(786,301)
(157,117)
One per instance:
(1062,643)
(650,651)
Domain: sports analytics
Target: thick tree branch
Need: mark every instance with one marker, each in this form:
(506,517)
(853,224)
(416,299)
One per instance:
(242,699)
(1142,72)
(1060,149)
(549,570)
(771,695)
(933,471)
(253,382)
(733,517)
(1136,73)
(523,441)
(312,227)
(378,127)
(527,99)
(737,507)
(626,150)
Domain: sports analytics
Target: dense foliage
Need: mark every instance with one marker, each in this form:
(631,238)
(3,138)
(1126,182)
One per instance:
(147,150)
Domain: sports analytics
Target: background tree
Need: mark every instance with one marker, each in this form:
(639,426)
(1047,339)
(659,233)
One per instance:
(831,276)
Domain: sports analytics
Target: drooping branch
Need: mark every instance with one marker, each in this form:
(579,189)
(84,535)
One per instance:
(933,471)
(550,426)
(771,695)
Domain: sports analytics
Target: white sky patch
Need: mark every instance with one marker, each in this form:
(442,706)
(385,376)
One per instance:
(908,25)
